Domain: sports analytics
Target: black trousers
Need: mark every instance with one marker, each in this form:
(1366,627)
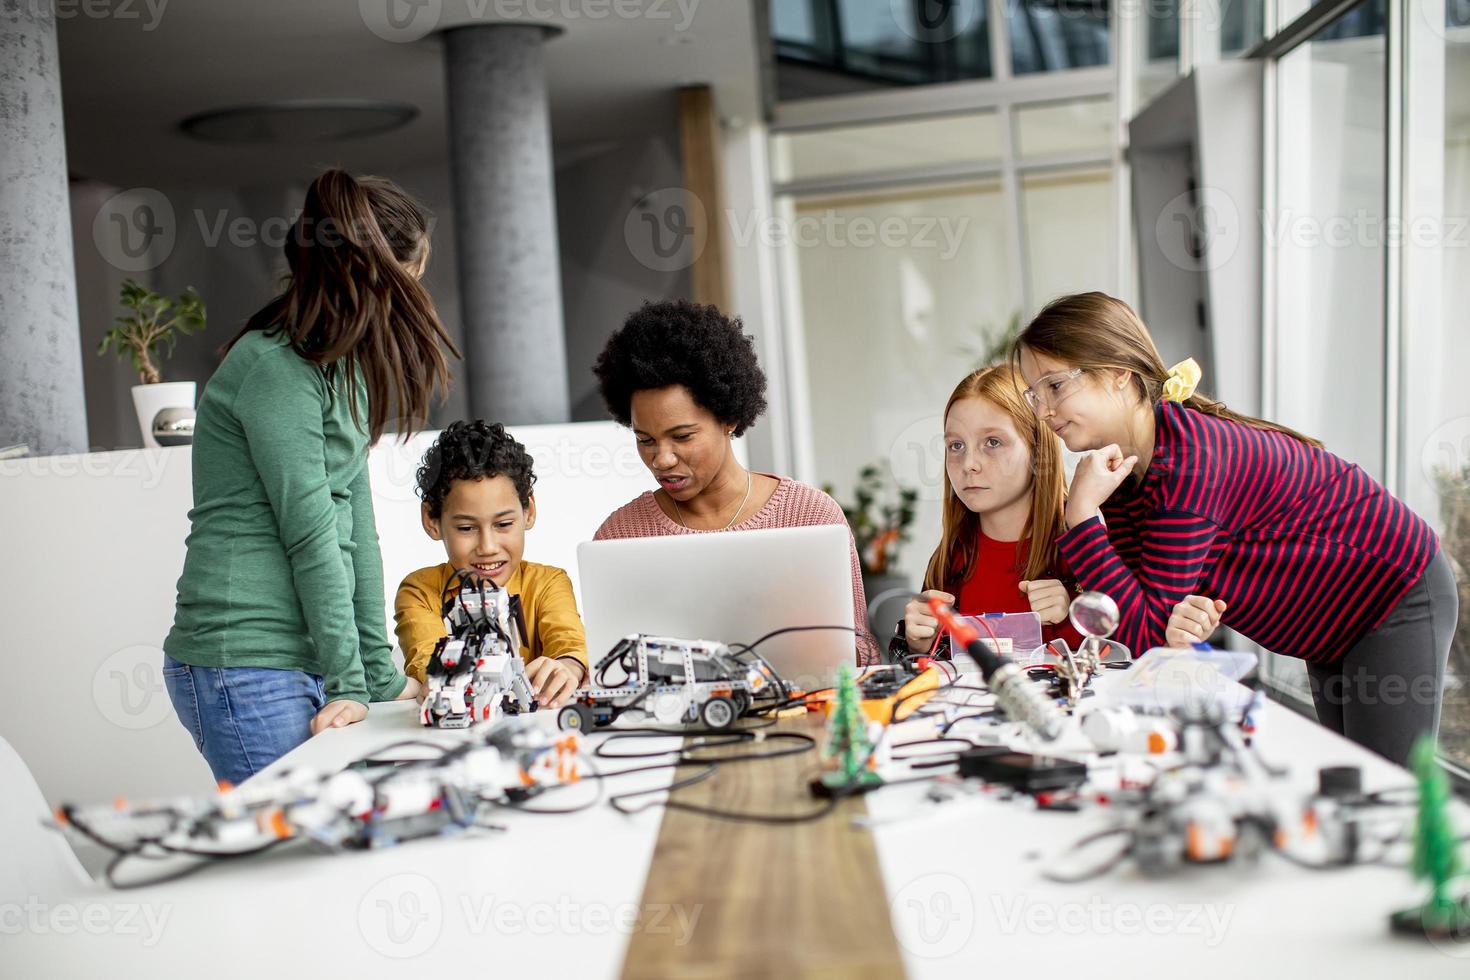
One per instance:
(1385,692)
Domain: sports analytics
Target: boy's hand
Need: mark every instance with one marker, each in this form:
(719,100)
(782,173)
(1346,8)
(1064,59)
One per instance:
(413,690)
(919,624)
(338,714)
(1193,620)
(554,678)
(1049,599)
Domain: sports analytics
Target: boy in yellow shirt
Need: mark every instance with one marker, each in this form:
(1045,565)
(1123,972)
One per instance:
(476,483)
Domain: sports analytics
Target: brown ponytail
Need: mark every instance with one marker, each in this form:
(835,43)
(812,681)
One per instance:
(1095,331)
(351,303)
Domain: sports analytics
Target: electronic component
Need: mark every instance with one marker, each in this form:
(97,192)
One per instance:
(475,673)
(676,682)
(353,808)
(1014,692)
(1022,770)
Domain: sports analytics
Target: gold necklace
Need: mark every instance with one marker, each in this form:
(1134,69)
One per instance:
(749,482)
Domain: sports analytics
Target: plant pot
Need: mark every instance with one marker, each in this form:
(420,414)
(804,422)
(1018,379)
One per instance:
(149,400)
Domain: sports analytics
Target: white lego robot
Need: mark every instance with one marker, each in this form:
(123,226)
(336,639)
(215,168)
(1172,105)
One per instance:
(476,673)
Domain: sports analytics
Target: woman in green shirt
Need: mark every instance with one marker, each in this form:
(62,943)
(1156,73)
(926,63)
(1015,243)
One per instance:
(280,627)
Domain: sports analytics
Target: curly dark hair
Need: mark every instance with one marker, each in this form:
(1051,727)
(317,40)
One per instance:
(469,451)
(677,342)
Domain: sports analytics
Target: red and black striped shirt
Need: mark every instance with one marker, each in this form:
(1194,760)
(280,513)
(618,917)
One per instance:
(1308,551)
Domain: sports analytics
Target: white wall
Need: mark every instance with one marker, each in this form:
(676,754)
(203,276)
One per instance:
(94,546)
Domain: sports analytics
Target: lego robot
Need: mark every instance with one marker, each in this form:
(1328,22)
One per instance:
(673,681)
(358,807)
(475,673)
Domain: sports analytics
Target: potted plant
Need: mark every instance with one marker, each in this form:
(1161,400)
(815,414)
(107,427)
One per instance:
(147,332)
(880,519)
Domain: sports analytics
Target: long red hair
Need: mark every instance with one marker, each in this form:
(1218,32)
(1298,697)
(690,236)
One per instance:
(954,560)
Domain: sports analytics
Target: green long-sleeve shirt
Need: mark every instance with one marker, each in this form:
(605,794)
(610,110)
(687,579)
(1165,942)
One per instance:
(283,568)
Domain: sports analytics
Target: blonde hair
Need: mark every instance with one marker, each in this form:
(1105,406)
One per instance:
(1095,331)
(954,560)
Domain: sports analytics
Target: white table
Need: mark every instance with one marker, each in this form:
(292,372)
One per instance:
(973,894)
(555,895)
(550,895)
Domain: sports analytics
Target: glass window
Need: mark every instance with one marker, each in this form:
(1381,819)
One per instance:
(1330,255)
(899,320)
(1049,35)
(1065,127)
(829,46)
(1160,63)
(1435,399)
(936,141)
(1242,24)
(1329,234)
(1069,232)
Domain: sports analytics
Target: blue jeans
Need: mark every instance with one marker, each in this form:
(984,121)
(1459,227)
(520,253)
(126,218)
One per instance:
(243,718)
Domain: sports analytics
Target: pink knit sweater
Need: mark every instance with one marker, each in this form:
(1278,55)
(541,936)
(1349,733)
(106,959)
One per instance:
(793,504)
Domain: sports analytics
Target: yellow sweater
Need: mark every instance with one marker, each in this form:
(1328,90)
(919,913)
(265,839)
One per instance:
(553,626)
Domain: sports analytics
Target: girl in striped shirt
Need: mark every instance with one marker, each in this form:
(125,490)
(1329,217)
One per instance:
(1191,515)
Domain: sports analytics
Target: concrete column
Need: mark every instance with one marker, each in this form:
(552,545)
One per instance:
(42,403)
(505,223)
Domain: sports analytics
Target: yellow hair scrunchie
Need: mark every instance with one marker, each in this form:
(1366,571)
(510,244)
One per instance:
(1183,379)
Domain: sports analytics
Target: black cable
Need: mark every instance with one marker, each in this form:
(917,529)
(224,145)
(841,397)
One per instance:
(1099,869)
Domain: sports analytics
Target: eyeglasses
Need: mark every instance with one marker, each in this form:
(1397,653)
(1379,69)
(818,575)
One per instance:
(1052,389)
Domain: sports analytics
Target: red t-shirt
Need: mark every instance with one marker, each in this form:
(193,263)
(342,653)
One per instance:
(994,587)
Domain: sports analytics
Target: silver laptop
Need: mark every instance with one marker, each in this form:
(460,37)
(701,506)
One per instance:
(731,586)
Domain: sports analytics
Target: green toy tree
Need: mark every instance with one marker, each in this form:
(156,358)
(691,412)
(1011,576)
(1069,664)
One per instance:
(847,736)
(1436,854)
